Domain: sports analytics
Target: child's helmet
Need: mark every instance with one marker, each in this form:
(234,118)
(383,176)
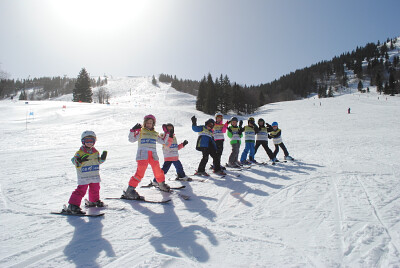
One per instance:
(210,121)
(251,120)
(234,119)
(88,133)
(218,114)
(262,120)
(150,116)
(274,124)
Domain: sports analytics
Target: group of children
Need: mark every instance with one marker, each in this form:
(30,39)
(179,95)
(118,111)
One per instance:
(210,142)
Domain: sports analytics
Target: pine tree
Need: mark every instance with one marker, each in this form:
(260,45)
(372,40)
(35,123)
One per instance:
(82,91)
(210,105)
(201,95)
(154,81)
(378,82)
(360,85)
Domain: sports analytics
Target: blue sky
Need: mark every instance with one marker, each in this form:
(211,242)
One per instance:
(252,42)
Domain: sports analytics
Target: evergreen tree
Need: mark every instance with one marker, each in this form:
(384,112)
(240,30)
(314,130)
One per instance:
(211,101)
(378,81)
(360,85)
(201,95)
(154,81)
(82,91)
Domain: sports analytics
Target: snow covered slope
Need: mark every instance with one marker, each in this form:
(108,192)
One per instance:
(337,206)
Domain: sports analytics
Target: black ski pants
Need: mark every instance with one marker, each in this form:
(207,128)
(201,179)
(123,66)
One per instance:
(266,148)
(207,151)
(283,148)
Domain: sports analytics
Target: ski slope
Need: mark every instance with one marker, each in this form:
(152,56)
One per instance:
(337,206)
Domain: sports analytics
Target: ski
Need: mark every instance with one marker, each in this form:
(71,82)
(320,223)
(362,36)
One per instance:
(153,185)
(185,197)
(80,215)
(140,200)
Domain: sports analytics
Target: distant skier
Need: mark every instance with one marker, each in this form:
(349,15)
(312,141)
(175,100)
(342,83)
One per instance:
(218,133)
(250,132)
(171,155)
(87,161)
(348,110)
(206,144)
(262,137)
(235,133)
(146,154)
(276,136)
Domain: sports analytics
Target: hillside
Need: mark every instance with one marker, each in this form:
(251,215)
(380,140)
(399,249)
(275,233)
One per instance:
(336,206)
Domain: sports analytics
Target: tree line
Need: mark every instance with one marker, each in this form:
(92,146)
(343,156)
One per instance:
(371,62)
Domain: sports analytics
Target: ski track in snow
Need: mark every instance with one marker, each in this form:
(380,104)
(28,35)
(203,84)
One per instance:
(337,205)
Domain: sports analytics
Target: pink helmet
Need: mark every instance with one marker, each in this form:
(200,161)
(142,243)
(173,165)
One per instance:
(150,116)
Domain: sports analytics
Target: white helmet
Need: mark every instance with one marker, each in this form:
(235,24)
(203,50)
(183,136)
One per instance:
(218,114)
(88,133)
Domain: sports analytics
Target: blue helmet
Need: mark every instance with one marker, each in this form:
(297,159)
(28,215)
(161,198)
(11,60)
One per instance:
(274,124)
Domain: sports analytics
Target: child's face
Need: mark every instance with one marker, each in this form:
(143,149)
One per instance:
(89,142)
(218,119)
(275,127)
(169,128)
(234,123)
(149,124)
(210,126)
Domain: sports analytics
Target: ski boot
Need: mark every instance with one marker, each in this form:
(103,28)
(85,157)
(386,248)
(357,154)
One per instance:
(184,178)
(163,186)
(131,193)
(201,173)
(74,209)
(287,157)
(98,203)
(220,172)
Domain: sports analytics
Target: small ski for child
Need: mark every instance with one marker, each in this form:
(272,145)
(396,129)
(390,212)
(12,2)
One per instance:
(185,197)
(141,200)
(65,212)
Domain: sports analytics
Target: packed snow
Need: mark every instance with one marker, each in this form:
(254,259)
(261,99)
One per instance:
(337,205)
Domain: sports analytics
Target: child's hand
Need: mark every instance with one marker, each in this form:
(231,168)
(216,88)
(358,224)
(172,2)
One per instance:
(83,158)
(103,155)
(240,123)
(194,120)
(137,126)
(185,142)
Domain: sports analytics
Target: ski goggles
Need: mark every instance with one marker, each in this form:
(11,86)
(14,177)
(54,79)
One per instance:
(89,140)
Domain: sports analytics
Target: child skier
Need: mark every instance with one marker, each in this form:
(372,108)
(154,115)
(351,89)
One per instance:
(218,134)
(87,161)
(250,132)
(276,137)
(235,133)
(146,154)
(262,137)
(171,155)
(206,144)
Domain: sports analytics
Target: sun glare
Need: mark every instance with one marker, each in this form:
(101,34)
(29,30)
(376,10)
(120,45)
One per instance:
(97,15)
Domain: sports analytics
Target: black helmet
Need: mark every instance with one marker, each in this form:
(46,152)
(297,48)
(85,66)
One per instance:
(251,120)
(210,121)
(261,120)
(234,119)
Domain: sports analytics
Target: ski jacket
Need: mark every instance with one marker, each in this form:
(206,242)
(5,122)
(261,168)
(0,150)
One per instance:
(250,133)
(170,150)
(147,140)
(275,135)
(262,134)
(219,130)
(205,137)
(88,171)
(235,134)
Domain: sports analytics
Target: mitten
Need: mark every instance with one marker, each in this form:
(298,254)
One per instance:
(164,127)
(83,158)
(240,123)
(137,126)
(103,155)
(194,120)
(184,143)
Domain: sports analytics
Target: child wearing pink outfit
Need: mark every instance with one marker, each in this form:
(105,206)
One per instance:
(87,161)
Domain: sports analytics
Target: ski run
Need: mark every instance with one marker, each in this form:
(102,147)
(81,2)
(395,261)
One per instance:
(337,205)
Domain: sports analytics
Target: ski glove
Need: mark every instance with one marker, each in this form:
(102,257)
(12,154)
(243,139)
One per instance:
(83,158)
(230,130)
(240,123)
(137,126)
(164,127)
(184,143)
(103,155)
(194,120)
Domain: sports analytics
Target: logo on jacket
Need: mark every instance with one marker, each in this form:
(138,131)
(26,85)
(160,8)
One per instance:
(90,168)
